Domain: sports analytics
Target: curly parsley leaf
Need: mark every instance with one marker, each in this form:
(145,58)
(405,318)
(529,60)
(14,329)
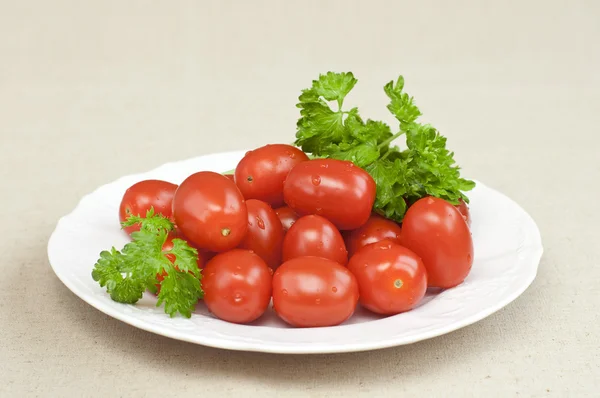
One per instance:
(401,104)
(334,86)
(361,154)
(179,291)
(392,179)
(434,168)
(339,134)
(150,222)
(126,274)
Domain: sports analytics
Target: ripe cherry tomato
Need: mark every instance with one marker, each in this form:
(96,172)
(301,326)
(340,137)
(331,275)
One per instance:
(334,189)
(168,245)
(261,173)
(287,216)
(463,208)
(210,211)
(237,286)
(141,196)
(265,232)
(376,229)
(314,236)
(314,291)
(391,278)
(437,233)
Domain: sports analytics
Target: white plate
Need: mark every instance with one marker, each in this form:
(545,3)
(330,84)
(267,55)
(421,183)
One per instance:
(507,244)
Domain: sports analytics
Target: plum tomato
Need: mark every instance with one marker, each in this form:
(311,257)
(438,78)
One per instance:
(335,189)
(237,286)
(210,211)
(143,195)
(261,173)
(376,229)
(314,291)
(391,278)
(287,216)
(314,236)
(436,231)
(265,232)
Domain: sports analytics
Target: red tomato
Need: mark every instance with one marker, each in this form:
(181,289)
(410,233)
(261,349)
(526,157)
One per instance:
(210,211)
(463,208)
(287,216)
(261,173)
(334,189)
(168,245)
(237,286)
(265,232)
(437,233)
(391,278)
(314,236)
(314,291)
(376,229)
(141,196)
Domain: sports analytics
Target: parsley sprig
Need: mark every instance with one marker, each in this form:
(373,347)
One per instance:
(424,167)
(126,274)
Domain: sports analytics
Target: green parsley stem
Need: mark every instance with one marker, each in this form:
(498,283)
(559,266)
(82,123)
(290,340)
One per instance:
(389,140)
(385,155)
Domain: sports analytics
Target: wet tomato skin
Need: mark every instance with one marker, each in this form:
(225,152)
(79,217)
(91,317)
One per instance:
(143,195)
(391,278)
(210,211)
(287,216)
(437,232)
(265,232)
(463,208)
(237,286)
(313,292)
(335,189)
(376,229)
(261,172)
(314,236)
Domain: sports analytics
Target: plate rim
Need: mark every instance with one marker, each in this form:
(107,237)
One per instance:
(536,249)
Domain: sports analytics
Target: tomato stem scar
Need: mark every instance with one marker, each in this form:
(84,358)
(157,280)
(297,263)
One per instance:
(225,231)
(250,179)
(398,283)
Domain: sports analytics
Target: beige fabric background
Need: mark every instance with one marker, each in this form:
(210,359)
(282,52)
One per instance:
(90,91)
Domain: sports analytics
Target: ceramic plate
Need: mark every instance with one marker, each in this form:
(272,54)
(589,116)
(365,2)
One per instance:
(507,245)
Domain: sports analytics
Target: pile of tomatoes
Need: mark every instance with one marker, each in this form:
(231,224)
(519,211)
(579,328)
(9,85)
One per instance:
(302,233)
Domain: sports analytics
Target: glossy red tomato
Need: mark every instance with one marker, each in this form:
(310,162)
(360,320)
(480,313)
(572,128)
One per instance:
(314,291)
(463,208)
(334,189)
(261,173)
(391,278)
(436,231)
(141,196)
(376,229)
(237,286)
(210,211)
(287,216)
(314,236)
(265,232)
